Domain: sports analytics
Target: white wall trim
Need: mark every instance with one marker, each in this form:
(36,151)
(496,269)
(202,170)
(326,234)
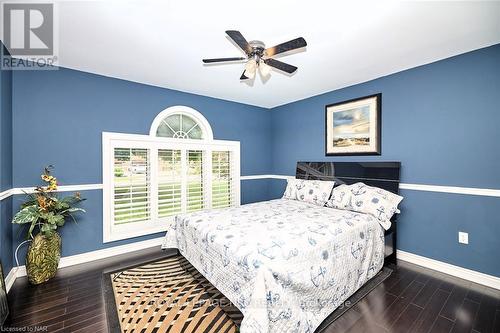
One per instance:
(5,194)
(457,271)
(62,188)
(10,278)
(414,187)
(88,257)
(251,177)
(404,186)
(460,272)
(451,189)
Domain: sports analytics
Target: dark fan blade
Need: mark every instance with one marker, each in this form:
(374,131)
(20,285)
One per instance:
(243,76)
(209,61)
(281,65)
(287,46)
(238,38)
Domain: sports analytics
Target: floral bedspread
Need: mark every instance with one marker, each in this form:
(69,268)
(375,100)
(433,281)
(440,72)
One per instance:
(285,264)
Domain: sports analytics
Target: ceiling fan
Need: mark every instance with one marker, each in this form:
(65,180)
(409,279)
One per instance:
(257,56)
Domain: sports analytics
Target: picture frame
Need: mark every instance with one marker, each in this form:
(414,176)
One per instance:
(353,127)
(4,304)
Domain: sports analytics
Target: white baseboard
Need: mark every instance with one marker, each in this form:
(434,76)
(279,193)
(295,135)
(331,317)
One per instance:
(460,272)
(88,257)
(457,271)
(10,278)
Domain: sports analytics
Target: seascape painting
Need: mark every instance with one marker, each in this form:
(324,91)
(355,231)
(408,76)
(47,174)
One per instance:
(353,127)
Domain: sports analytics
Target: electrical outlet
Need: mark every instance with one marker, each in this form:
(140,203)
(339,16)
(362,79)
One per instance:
(463,237)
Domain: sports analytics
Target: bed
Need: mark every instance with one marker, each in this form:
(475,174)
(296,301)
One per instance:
(288,264)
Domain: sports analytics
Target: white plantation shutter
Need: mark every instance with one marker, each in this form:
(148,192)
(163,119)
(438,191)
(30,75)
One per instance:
(131,200)
(169,182)
(148,180)
(222,181)
(195,194)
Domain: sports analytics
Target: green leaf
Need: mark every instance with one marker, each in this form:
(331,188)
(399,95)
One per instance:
(29,202)
(72,199)
(47,229)
(55,219)
(28,214)
(46,216)
(30,231)
(61,205)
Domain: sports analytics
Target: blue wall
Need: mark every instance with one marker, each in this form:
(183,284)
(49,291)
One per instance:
(59,117)
(5,166)
(441,121)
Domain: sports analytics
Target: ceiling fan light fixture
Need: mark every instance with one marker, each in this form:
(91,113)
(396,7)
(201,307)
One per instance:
(255,50)
(264,69)
(250,68)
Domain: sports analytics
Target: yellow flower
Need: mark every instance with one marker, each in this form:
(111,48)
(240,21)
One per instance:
(42,203)
(48,178)
(52,186)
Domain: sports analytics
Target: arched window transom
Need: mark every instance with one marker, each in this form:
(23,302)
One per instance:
(181,122)
(179,126)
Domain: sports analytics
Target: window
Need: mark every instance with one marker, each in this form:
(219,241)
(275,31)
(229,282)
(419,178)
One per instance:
(221,179)
(131,186)
(179,126)
(178,168)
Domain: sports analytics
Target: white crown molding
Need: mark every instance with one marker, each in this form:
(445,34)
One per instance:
(457,271)
(86,257)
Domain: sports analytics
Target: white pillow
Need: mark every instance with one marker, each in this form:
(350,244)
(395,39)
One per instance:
(362,198)
(340,197)
(313,191)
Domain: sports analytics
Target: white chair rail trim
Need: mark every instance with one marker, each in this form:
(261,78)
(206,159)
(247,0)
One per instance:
(488,192)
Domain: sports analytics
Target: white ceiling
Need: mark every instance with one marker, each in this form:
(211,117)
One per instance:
(161,43)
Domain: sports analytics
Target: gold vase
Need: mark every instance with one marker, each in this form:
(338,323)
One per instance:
(43,257)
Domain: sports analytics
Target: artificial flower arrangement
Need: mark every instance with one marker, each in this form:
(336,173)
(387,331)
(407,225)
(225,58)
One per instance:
(43,213)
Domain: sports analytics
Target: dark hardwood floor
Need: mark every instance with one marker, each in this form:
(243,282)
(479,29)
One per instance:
(412,299)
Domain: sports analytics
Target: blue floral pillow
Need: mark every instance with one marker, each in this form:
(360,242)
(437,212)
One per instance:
(362,198)
(313,191)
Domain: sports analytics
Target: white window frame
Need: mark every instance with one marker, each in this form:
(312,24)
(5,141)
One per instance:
(110,141)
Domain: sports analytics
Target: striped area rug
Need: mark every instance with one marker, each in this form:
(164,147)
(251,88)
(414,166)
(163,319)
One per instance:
(169,295)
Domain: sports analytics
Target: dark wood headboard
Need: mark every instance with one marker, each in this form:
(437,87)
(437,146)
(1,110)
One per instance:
(384,175)
(380,174)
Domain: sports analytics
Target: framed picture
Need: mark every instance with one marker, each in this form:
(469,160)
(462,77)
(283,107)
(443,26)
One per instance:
(354,127)
(4,304)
